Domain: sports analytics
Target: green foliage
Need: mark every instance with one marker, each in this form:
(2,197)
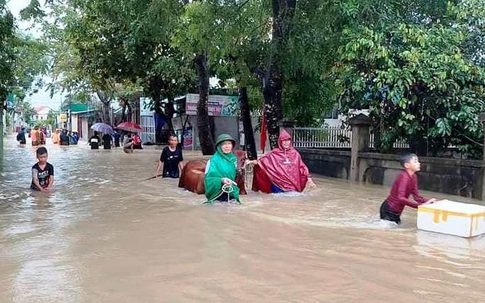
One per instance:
(6,54)
(417,82)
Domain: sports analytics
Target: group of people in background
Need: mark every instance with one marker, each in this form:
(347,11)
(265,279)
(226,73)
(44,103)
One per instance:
(280,170)
(64,137)
(129,141)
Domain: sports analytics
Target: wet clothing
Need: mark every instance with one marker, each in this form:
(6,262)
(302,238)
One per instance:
(56,137)
(43,175)
(36,139)
(387,214)
(106,141)
(64,138)
(42,137)
(404,186)
(171,160)
(137,142)
(74,139)
(220,166)
(94,142)
(282,168)
(116,138)
(21,137)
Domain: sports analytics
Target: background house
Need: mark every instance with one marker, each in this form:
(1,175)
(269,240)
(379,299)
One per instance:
(40,114)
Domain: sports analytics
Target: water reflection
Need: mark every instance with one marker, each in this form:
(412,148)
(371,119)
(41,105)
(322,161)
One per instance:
(106,234)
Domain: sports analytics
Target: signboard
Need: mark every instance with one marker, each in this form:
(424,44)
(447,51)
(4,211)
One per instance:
(62,118)
(10,100)
(218,105)
(188,138)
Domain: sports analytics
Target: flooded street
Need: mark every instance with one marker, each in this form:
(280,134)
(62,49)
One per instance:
(106,234)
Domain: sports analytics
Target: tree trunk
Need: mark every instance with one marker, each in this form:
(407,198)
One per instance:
(156,86)
(105,102)
(283,12)
(273,108)
(170,112)
(249,142)
(2,106)
(137,118)
(203,123)
(106,115)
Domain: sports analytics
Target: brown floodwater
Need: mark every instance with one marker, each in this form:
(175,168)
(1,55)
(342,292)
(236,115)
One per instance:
(106,234)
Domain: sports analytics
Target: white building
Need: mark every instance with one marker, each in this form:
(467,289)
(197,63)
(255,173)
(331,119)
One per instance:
(40,114)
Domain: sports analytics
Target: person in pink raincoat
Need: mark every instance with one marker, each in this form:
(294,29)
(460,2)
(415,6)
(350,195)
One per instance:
(282,169)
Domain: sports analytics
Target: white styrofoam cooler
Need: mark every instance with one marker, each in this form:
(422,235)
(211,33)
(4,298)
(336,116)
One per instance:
(453,218)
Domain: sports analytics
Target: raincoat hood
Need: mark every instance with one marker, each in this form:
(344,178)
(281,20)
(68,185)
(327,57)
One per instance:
(285,167)
(284,135)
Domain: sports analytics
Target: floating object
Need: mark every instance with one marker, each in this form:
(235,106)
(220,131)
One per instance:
(452,218)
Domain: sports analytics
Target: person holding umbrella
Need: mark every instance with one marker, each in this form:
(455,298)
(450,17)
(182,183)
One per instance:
(107,141)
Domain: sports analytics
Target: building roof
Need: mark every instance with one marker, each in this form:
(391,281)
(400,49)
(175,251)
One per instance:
(78,107)
(42,110)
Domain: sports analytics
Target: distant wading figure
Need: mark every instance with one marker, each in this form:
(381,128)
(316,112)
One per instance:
(127,143)
(94,141)
(35,134)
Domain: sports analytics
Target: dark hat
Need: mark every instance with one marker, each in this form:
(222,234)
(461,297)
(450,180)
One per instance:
(225,137)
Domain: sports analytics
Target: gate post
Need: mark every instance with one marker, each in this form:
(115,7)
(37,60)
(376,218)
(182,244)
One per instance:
(360,125)
(482,119)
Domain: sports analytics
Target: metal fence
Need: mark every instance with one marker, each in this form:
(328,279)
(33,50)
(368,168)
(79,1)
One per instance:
(148,133)
(329,137)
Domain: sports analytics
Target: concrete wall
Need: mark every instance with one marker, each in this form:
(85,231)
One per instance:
(331,163)
(450,176)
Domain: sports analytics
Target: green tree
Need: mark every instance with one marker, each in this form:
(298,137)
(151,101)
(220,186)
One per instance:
(6,59)
(417,82)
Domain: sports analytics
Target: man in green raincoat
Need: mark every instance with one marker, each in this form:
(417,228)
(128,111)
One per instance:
(220,174)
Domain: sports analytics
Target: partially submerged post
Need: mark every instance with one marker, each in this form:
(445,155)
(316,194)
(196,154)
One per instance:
(482,119)
(360,125)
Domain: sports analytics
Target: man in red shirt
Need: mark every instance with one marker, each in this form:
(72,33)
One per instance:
(405,184)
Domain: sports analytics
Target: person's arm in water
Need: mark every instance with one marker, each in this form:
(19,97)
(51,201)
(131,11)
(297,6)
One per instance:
(35,180)
(51,183)
(181,163)
(306,172)
(160,163)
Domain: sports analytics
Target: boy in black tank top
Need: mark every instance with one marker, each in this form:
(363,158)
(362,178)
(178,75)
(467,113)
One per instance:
(171,159)
(42,172)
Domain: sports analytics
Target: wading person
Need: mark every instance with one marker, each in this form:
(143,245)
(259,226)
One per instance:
(281,170)
(171,159)
(406,184)
(107,141)
(94,141)
(21,136)
(220,173)
(64,137)
(42,172)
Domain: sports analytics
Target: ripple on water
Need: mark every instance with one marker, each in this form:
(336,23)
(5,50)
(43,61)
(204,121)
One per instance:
(108,234)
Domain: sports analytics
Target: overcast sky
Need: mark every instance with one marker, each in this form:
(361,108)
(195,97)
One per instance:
(42,97)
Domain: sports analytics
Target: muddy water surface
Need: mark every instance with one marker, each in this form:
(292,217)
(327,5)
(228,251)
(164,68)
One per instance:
(107,235)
